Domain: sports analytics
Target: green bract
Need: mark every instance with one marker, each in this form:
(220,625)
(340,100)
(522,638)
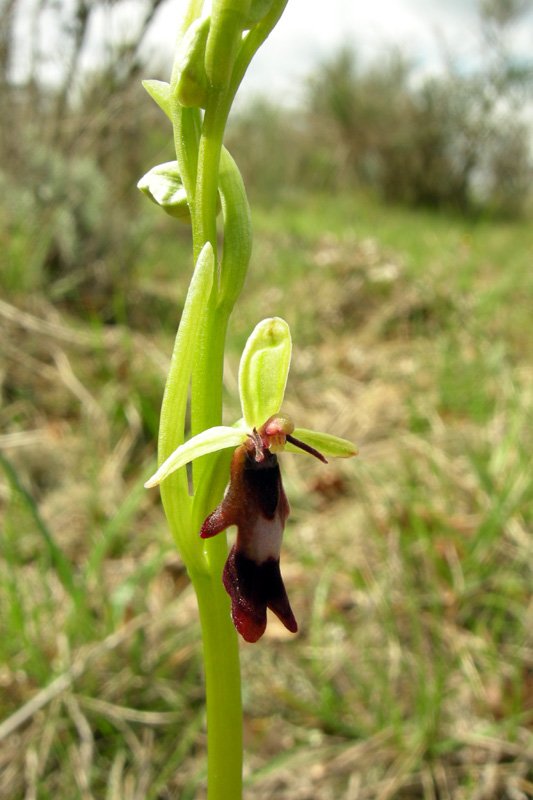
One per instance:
(262,378)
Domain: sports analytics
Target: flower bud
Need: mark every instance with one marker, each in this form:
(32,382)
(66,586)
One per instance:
(228,21)
(163,185)
(258,9)
(192,84)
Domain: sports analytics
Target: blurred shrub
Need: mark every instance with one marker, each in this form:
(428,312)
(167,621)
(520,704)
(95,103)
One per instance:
(449,141)
(69,207)
(71,152)
(509,168)
(363,107)
(427,154)
(277,149)
(55,215)
(452,140)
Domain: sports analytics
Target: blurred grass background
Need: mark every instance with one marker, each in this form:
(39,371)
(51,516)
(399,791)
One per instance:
(393,232)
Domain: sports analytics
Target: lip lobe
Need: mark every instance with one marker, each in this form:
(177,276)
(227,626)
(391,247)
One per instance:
(253,588)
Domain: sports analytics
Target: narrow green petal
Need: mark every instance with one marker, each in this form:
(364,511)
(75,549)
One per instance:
(208,441)
(263,370)
(329,446)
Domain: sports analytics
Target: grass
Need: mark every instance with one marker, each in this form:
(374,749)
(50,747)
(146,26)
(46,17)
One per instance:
(410,570)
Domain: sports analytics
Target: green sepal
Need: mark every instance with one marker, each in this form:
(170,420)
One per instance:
(263,370)
(208,441)
(327,445)
(160,92)
(192,86)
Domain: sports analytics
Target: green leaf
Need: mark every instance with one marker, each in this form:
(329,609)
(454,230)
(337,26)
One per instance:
(263,371)
(328,445)
(208,441)
(160,92)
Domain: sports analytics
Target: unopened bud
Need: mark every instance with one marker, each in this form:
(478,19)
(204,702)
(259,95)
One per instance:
(228,21)
(163,185)
(258,9)
(192,83)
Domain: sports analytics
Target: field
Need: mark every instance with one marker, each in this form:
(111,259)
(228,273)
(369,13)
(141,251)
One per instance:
(410,568)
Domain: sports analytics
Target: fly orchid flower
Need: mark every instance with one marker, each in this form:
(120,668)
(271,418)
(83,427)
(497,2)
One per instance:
(255,500)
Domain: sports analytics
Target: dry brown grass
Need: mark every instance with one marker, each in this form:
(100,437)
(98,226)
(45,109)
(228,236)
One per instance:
(409,570)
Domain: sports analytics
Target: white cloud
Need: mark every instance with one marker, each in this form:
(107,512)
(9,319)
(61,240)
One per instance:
(307,33)
(424,30)
(311,29)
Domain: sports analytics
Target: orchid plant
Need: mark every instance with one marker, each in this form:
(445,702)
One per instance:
(255,500)
(212,53)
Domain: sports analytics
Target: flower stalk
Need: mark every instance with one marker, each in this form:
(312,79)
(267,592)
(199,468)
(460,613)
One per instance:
(211,57)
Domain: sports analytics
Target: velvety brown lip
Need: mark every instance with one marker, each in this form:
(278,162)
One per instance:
(256,503)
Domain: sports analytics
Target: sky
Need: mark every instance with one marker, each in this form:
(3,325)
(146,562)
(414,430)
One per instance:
(308,32)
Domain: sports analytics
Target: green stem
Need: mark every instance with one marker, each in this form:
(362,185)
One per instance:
(221,653)
(204,212)
(186,123)
(253,41)
(206,386)
(223,690)
(200,350)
